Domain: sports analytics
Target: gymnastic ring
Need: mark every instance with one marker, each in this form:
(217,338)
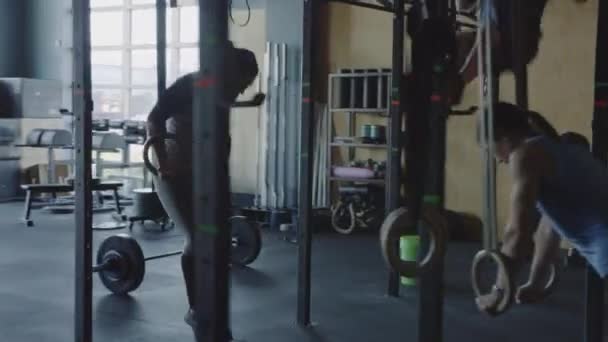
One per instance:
(398,223)
(501,262)
(149,142)
(552,282)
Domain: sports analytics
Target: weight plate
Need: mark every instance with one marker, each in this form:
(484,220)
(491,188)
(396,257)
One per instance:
(398,224)
(246,241)
(126,264)
(476,278)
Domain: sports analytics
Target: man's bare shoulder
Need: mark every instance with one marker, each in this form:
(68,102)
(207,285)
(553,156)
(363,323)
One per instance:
(530,158)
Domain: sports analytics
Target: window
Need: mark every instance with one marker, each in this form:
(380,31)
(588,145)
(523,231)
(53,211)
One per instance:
(143,26)
(188,60)
(143,67)
(188,25)
(123,54)
(106,3)
(105,34)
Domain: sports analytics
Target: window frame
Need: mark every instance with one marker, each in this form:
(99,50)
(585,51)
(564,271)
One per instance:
(174,47)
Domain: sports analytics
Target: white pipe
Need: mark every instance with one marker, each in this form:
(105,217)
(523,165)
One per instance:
(283,117)
(491,145)
(267,118)
(485,75)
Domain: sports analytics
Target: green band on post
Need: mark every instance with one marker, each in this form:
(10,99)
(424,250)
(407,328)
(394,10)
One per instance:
(431,199)
(208,228)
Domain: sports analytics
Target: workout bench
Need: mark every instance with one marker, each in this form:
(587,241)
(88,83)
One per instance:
(53,189)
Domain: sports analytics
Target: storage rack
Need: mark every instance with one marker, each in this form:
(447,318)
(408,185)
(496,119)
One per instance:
(356,92)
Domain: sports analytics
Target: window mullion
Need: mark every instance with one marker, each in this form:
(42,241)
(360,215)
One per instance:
(127,60)
(174,67)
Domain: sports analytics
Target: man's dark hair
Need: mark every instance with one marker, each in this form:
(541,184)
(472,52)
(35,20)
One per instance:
(247,64)
(511,120)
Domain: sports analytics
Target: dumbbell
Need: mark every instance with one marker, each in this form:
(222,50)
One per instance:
(121,264)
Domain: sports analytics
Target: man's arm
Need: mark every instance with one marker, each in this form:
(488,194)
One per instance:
(171,102)
(546,249)
(526,167)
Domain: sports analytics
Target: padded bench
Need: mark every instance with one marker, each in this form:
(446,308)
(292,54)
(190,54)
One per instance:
(34,189)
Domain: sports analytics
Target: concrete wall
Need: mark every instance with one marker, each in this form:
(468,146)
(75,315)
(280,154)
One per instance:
(11,39)
(561,85)
(46,38)
(49,25)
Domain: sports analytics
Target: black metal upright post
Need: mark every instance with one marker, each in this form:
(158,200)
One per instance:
(594,285)
(82,104)
(394,177)
(519,53)
(306,165)
(434,51)
(161,45)
(211,175)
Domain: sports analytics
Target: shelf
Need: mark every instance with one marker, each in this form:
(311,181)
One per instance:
(362,145)
(361,74)
(360,110)
(358,180)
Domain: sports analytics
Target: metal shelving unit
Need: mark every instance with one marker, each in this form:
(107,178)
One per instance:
(358,180)
(355,145)
(356,93)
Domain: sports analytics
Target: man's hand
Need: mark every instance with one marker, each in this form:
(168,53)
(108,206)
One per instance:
(529,293)
(489,303)
(546,250)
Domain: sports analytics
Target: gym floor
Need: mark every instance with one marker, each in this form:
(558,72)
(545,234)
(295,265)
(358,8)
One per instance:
(349,281)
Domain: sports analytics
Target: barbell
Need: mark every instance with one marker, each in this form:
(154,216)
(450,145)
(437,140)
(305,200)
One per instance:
(508,292)
(399,223)
(121,264)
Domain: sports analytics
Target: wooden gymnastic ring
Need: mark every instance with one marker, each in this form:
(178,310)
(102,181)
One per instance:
(399,223)
(552,282)
(146,152)
(149,166)
(501,261)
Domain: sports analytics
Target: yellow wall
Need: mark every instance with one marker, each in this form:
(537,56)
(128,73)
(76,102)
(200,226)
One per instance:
(561,84)
(244,121)
(358,38)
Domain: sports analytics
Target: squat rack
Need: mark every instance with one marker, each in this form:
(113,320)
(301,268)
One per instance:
(310,32)
(212,239)
(594,285)
(431,111)
(211,194)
